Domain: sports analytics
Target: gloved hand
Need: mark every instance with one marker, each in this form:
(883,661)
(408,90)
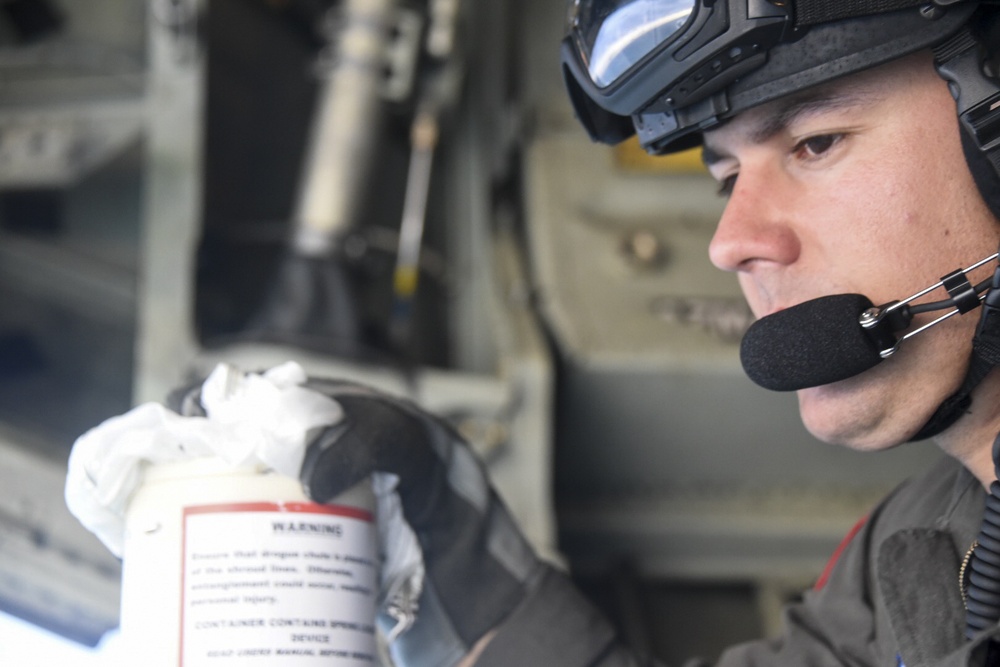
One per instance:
(478,565)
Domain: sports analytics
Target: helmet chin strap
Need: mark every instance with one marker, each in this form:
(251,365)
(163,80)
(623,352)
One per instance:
(977,95)
(958,60)
(985,357)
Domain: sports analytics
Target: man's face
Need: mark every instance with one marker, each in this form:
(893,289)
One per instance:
(857,187)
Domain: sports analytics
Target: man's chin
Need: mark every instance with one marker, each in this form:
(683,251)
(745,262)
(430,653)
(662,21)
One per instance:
(837,416)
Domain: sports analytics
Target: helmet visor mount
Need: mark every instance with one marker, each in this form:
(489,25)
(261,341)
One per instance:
(618,53)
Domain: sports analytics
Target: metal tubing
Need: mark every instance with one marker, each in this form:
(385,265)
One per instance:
(345,126)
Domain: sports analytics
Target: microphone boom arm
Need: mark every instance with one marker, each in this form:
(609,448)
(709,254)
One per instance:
(880,322)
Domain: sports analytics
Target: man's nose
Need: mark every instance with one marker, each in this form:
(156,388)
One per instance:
(757,226)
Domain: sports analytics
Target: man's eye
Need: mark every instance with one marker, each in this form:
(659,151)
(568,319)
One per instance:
(726,185)
(814,147)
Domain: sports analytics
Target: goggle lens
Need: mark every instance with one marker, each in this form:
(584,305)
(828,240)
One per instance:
(616,34)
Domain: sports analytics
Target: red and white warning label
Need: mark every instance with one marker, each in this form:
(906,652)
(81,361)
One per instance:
(278,584)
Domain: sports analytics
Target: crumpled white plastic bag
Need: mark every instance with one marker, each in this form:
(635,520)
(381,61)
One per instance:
(251,419)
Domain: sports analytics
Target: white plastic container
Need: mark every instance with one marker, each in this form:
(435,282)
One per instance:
(227,566)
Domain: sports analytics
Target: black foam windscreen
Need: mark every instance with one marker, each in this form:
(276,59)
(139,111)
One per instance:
(814,343)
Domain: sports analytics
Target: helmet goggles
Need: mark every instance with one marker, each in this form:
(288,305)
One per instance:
(668,69)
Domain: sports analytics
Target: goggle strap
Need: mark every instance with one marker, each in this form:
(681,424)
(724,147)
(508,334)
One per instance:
(811,12)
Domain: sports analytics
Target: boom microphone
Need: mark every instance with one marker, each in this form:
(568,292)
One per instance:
(811,344)
(836,337)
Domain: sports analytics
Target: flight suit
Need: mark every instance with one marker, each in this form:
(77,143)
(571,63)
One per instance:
(892,598)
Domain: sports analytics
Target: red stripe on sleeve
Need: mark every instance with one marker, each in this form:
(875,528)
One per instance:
(821,582)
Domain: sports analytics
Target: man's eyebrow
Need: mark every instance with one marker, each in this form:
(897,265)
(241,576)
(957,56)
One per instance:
(787,113)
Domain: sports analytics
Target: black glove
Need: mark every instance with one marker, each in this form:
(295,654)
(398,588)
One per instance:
(478,565)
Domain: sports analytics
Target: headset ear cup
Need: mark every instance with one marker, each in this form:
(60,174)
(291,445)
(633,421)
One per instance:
(985,25)
(984,173)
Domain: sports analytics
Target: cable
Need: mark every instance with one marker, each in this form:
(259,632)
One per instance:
(982,602)
(947,303)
